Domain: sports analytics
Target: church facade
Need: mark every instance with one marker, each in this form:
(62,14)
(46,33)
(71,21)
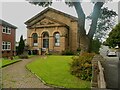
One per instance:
(53,31)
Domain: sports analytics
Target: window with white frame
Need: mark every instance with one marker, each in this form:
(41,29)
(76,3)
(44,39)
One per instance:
(57,39)
(45,37)
(35,39)
(6,30)
(3,29)
(6,45)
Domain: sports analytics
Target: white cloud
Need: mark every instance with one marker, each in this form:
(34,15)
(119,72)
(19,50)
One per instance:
(54,0)
(12,0)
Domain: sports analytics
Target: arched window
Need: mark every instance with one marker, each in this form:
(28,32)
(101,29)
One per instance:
(45,36)
(35,39)
(57,39)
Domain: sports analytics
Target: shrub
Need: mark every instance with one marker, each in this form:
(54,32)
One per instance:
(96,46)
(49,53)
(67,52)
(81,66)
(79,49)
(23,56)
(78,52)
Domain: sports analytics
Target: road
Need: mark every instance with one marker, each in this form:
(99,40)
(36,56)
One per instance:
(111,68)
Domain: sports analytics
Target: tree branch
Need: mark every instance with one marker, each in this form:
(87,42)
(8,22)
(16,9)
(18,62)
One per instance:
(95,16)
(81,17)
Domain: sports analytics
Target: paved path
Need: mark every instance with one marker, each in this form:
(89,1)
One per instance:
(17,76)
(111,66)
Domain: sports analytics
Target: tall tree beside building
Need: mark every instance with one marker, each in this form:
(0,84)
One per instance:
(84,38)
(21,46)
(105,23)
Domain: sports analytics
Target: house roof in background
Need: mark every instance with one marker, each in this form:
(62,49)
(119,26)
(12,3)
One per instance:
(4,23)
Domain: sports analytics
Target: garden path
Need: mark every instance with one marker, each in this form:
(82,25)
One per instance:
(17,76)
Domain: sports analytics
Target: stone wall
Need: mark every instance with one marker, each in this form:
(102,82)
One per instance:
(98,80)
(68,39)
(72,28)
(51,31)
(0,41)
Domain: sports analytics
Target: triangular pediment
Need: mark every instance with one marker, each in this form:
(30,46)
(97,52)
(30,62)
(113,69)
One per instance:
(46,12)
(46,21)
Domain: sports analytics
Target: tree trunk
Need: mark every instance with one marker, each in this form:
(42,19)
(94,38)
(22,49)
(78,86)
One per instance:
(85,44)
(86,40)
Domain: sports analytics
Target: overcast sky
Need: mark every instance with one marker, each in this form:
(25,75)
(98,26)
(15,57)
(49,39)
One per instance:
(18,12)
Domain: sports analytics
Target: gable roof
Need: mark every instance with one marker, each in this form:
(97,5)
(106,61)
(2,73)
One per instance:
(51,9)
(49,18)
(4,23)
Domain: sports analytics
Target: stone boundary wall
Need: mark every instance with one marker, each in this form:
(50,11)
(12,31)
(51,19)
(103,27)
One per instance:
(98,80)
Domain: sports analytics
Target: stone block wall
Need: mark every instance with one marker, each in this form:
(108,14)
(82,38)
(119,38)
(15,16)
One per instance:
(0,41)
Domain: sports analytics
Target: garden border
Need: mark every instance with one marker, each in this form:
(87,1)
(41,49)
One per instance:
(98,79)
(10,63)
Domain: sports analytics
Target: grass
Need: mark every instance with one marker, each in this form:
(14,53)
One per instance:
(6,62)
(54,70)
(30,56)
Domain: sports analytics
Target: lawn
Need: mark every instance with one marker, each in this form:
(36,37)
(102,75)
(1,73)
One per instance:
(6,62)
(54,70)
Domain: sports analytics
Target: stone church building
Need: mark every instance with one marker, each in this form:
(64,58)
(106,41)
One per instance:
(52,31)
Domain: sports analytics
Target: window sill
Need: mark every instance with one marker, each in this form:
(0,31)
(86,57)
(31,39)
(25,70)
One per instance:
(7,50)
(6,33)
(56,46)
(35,46)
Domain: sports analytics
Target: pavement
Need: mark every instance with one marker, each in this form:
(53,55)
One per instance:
(111,70)
(17,76)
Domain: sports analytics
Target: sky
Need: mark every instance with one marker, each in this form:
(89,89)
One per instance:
(17,12)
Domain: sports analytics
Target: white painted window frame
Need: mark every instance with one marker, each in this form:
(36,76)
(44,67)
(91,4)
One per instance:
(7,30)
(8,45)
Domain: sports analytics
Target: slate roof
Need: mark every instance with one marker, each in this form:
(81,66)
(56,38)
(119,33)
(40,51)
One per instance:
(51,9)
(4,23)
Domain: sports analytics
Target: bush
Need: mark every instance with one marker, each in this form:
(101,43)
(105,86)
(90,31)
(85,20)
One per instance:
(23,56)
(67,52)
(96,46)
(49,54)
(81,66)
(79,49)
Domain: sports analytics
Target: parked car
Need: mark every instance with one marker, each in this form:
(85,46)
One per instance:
(111,53)
(116,47)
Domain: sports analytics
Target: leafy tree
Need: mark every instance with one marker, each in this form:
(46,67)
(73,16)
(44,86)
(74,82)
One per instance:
(114,37)
(105,23)
(96,45)
(84,38)
(21,46)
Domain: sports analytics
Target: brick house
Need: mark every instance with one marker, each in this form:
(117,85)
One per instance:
(52,30)
(7,38)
